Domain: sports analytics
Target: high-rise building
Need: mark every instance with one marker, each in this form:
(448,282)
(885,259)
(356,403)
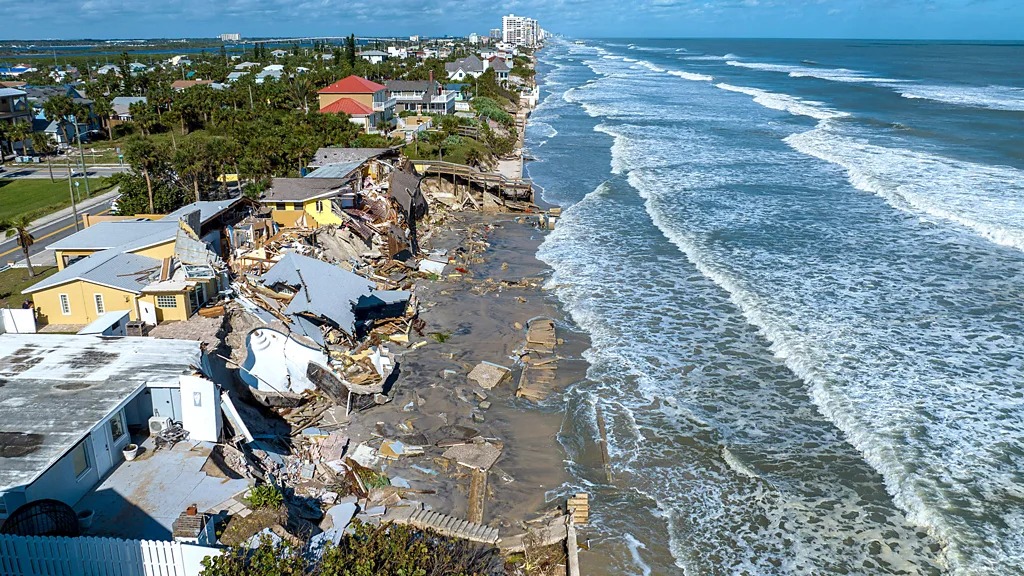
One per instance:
(520,31)
(474,38)
(230,37)
(496,33)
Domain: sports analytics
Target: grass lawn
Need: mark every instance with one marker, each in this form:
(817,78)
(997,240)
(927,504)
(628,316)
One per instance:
(38,196)
(13,281)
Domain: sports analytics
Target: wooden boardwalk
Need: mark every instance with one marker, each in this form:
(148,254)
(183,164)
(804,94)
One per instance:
(441,523)
(520,189)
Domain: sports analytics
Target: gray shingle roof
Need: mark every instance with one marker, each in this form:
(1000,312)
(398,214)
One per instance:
(302,189)
(469,64)
(323,289)
(122,104)
(404,187)
(410,85)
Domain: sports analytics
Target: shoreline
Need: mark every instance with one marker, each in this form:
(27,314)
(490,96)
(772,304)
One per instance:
(487,324)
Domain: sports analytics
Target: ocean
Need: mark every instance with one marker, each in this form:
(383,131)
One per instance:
(801,266)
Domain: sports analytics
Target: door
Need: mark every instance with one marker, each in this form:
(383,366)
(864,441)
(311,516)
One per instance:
(147,312)
(101,443)
(166,403)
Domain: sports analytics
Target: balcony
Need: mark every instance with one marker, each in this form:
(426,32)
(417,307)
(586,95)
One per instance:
(384,105)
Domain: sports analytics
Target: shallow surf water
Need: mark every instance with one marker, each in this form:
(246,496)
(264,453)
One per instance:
(802,290)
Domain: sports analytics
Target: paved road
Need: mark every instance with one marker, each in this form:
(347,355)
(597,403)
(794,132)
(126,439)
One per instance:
(47,234)
(16,171)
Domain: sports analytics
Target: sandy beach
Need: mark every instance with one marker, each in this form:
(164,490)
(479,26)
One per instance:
(434,399)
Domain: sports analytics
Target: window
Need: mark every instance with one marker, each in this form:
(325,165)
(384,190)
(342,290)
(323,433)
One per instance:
(65,305)
(282,206)
(319,205)
(117,426)
(100,308)
(80,459)
(167,301)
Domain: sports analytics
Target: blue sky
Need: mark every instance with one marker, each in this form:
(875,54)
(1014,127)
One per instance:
(954,19)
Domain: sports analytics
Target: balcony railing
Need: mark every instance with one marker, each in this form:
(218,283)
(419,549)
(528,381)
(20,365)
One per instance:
(382,105)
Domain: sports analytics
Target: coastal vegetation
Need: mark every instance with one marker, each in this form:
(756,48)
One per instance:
(367,550)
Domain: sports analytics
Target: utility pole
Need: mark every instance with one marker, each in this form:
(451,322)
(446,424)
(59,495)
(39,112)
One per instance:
(71,191)
(85,173)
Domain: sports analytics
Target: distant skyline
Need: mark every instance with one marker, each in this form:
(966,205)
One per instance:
(883,19)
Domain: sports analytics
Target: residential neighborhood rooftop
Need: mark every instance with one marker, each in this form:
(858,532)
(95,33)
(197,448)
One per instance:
(208,209)
(347,106)
(337,170)
(301,189)
(56,388)
(122,104)
(352,85)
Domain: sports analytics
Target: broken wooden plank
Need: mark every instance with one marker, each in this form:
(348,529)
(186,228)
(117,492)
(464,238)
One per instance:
(477,495)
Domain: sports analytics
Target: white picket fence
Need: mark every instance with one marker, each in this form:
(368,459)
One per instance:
(91,556)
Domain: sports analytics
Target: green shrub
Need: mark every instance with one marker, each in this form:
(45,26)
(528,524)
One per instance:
(265,496)
(386,550)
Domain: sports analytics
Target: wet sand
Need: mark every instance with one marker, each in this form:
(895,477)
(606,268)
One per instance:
(530,476)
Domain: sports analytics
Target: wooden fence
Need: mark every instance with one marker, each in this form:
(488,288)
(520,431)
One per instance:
(91,556)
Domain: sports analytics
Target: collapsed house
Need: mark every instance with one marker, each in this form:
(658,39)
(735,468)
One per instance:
(331,295)
(321,305)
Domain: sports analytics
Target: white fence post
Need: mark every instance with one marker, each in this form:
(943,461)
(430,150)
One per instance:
(92,556)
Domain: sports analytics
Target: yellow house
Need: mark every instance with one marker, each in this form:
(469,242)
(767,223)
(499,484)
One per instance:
(152,290)
(308,202)
(146,238)
(148,234)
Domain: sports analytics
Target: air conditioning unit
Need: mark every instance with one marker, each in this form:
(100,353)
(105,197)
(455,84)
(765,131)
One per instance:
(158,424)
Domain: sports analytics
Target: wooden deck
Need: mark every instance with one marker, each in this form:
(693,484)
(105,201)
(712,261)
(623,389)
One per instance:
(519,189)
(540,363)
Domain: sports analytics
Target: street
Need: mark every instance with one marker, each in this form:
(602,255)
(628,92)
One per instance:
(48,234)
(15,171)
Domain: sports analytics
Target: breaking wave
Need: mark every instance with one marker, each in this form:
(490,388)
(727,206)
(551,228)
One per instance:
(991,97)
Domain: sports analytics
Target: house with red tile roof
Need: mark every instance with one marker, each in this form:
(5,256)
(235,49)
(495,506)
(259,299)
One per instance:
(366,102)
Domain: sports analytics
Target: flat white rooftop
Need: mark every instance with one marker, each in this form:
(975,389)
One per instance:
(55,388)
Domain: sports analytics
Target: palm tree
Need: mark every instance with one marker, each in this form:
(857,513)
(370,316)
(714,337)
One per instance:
(191,160)
(21,132)
(19,227)
(299,90)
(59,109)
(102,108)
(141,154)
(43,144)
